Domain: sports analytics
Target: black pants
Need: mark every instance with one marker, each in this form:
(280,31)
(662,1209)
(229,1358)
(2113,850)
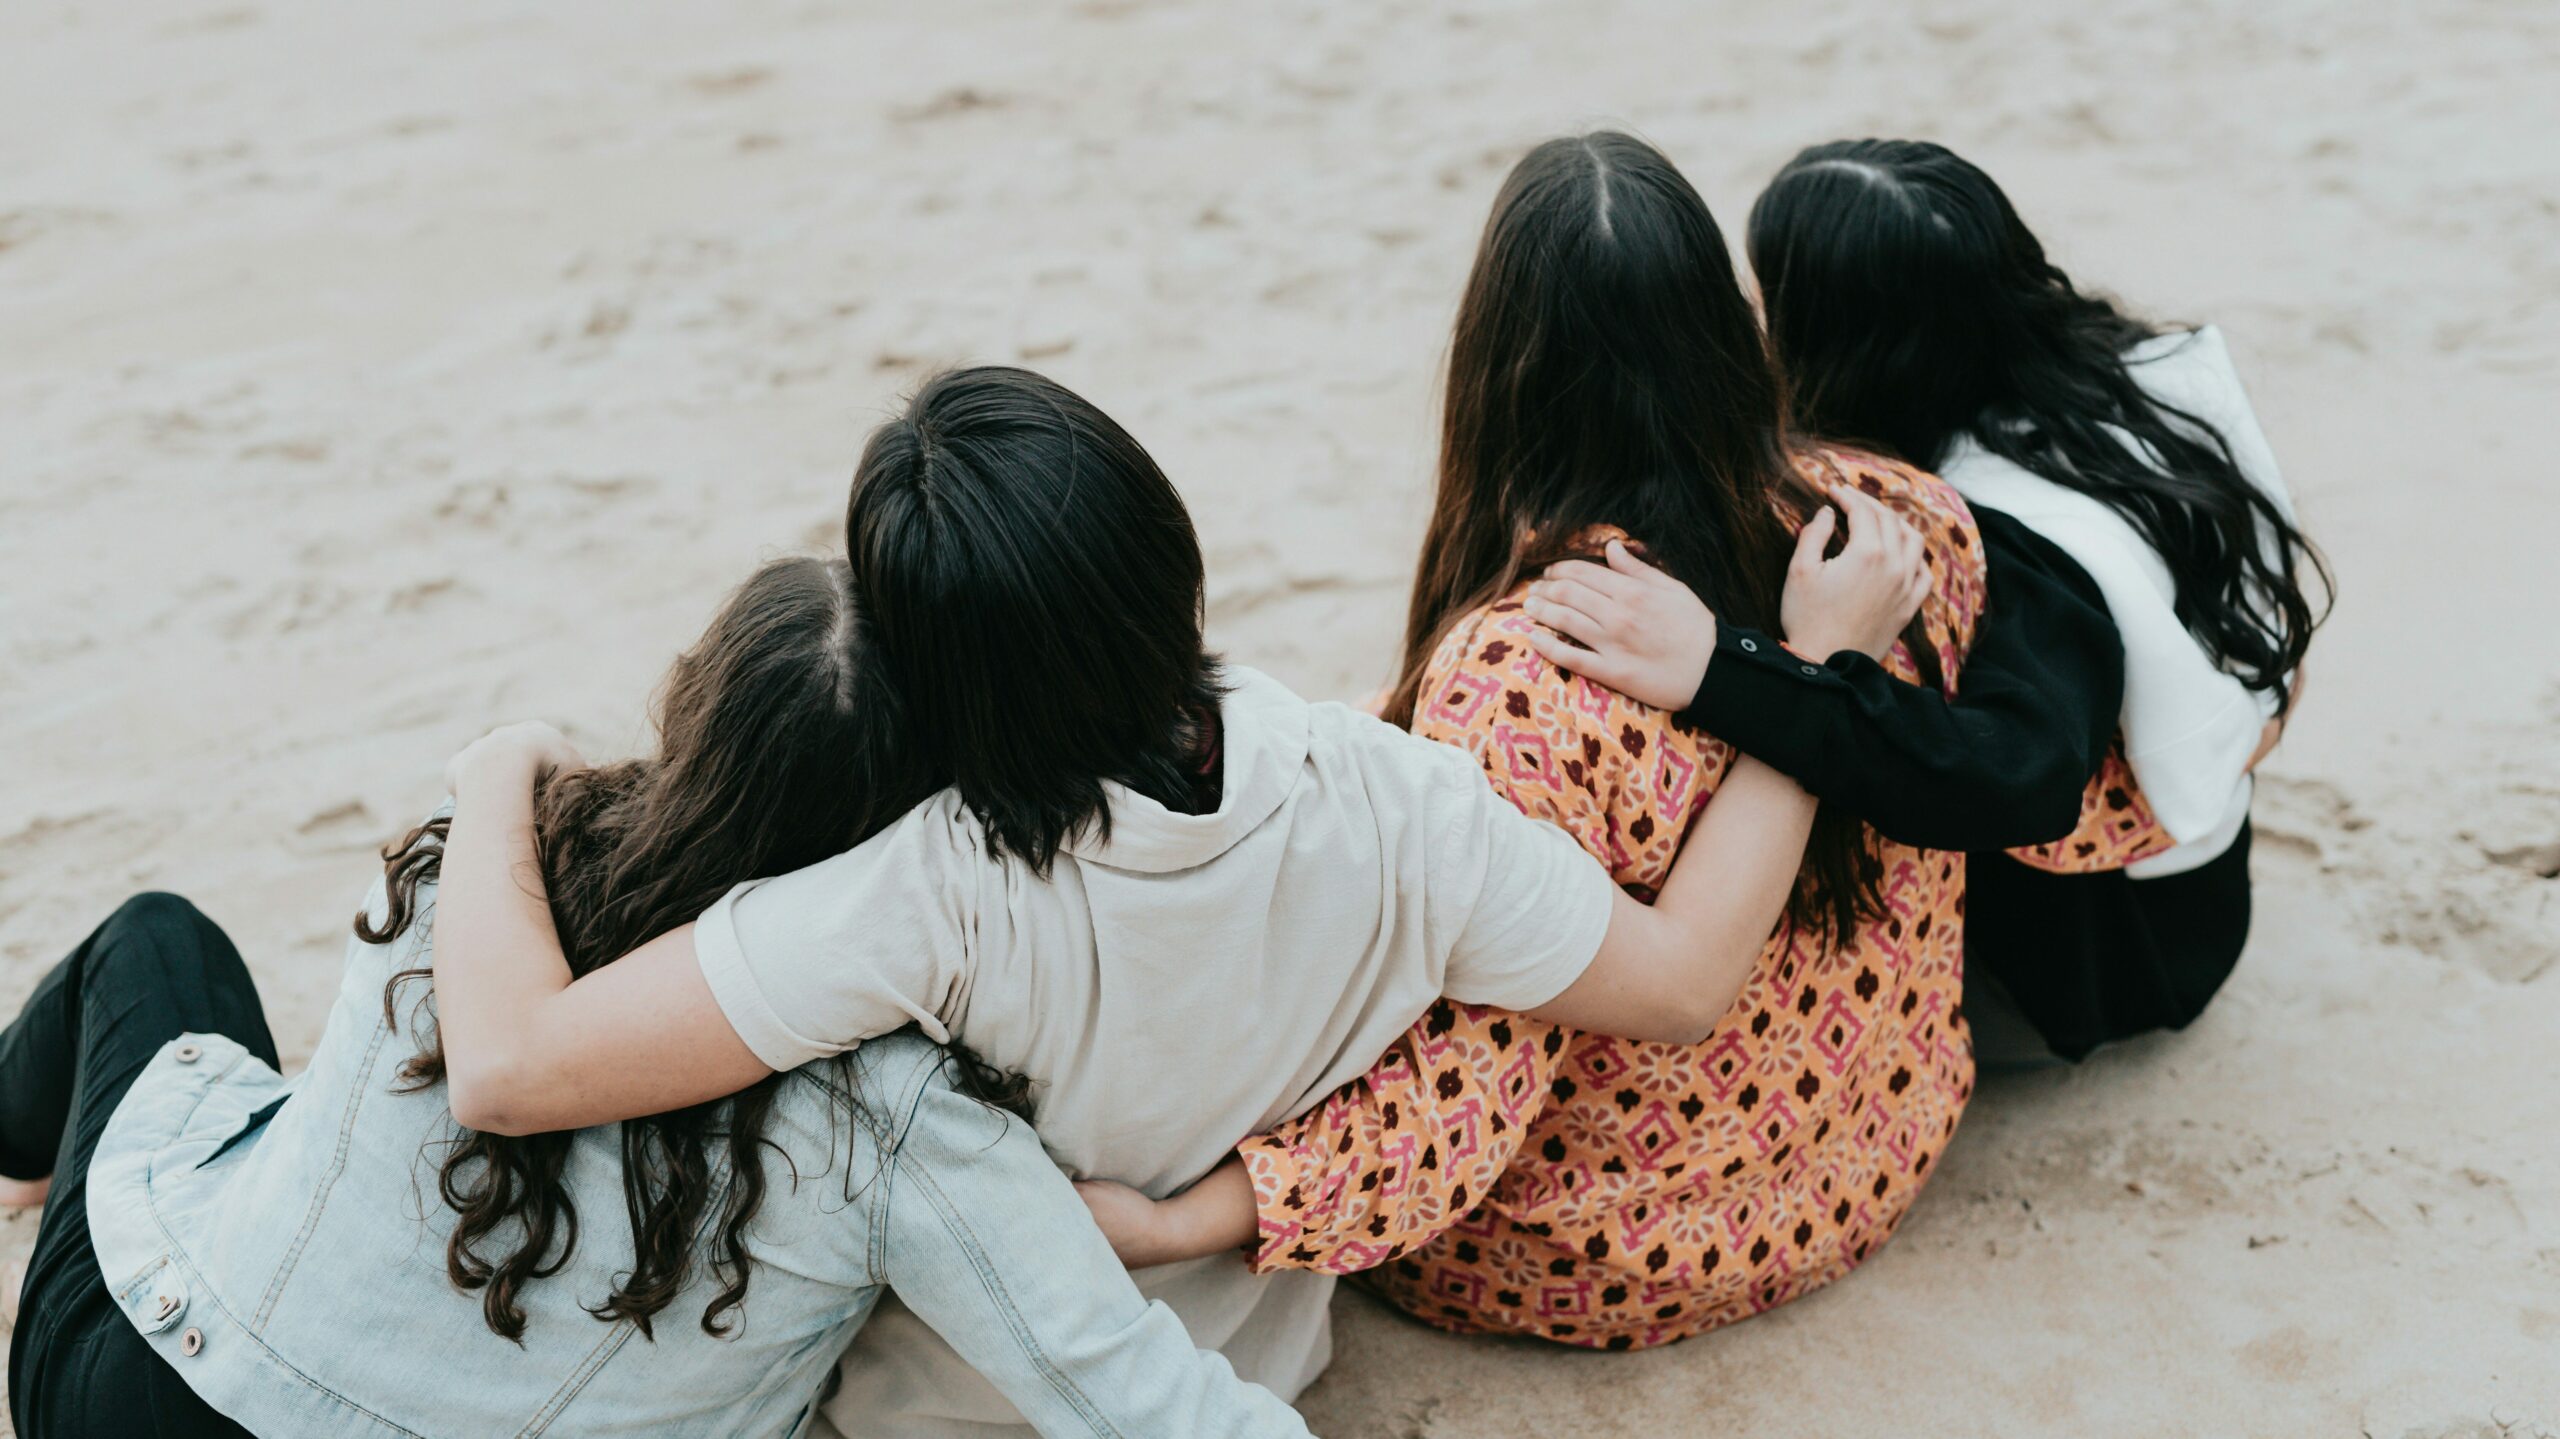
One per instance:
(2089,958)
(155,970)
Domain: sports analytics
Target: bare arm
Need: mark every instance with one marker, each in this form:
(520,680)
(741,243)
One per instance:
(1378,1169)
(1668,971)
(526,1050)
(1212,1216)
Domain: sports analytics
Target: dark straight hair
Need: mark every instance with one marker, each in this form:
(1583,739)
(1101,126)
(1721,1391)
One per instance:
(1910,306)
(1607,370)
(1034,584)
(777,748)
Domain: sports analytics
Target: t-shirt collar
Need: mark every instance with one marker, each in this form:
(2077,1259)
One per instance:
(1263,734)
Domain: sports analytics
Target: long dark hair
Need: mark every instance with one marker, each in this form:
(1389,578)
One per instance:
(1910,306)
(1607,370)
(776,749)
(1034,584)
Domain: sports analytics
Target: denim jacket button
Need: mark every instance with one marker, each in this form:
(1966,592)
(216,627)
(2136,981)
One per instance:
(155,1308)
(186,1054)
(191,1343)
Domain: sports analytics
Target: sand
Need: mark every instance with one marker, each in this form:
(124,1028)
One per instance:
(370,375)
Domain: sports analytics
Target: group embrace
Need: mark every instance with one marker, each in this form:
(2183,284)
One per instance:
(1799,696)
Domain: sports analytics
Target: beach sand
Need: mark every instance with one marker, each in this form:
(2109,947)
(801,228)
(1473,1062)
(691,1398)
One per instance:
(369,376)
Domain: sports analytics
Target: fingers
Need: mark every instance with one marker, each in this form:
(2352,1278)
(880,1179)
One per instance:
(1592,665)
(1575,595)
(1814,539)
(1870,524)
(1624,561)
(1576,609)
(1565,619)
(1876,531)
(1597,577)
(530,746)
(1905,554)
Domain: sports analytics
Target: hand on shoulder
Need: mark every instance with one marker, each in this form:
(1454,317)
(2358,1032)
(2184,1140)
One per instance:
(1861,598)
(1623,624)
(513,754)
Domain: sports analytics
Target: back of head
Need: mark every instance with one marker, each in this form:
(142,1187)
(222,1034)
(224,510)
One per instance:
(1034,584)
(1910,306)
(1891,273)
(778,746)
(1606,369)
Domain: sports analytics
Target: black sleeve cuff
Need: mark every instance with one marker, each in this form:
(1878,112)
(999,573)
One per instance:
(1754,697)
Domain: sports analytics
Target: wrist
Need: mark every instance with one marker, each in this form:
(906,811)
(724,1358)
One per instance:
(1819,645)
(1173,1231)
(1698,690)
(499,773)
(1213,1216)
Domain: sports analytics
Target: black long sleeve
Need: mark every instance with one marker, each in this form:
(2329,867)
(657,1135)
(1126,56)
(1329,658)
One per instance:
(2000,765)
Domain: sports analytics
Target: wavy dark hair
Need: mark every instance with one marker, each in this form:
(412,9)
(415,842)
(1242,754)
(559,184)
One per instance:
(1607,370)
(1034,584)
(1910,307)
(776,749)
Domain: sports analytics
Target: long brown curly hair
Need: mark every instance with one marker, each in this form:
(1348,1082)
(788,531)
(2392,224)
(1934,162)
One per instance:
(775,750)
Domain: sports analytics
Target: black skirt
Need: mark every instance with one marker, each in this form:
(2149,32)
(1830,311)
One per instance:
(2090,958)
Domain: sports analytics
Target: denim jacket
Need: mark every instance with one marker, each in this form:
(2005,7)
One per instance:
(281,1243)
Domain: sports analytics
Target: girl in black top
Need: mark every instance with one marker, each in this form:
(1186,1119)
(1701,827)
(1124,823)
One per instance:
(1917,315)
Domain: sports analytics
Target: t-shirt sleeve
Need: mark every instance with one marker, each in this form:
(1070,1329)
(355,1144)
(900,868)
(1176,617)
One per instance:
(814,962)
(1537,905)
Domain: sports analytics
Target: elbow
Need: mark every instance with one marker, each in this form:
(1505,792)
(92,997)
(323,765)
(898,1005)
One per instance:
(490,1098)
(2046,813)
(1692,1030)
(2035,804)
(1689,1019)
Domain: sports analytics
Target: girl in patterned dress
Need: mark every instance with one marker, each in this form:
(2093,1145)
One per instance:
(1608,380)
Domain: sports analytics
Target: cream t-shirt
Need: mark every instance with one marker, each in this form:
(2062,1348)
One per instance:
(1170,989)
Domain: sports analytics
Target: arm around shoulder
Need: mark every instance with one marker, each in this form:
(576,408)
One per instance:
(1669,971)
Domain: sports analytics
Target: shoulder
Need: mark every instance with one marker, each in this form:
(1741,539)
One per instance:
(939,832)
(1404,766)
(1530,725)
(1923,498)
(2192,370)
(2203,347)
(1947,530)
(912,880)
(1485,675)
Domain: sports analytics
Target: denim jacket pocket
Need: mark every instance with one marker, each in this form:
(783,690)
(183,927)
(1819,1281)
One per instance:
(256,1121)
(155,1298)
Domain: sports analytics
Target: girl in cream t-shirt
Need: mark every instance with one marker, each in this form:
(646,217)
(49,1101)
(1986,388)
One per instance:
(1187,981)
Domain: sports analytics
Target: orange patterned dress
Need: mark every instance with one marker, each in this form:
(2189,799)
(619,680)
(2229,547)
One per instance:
(2116,828)
(1502,1175)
